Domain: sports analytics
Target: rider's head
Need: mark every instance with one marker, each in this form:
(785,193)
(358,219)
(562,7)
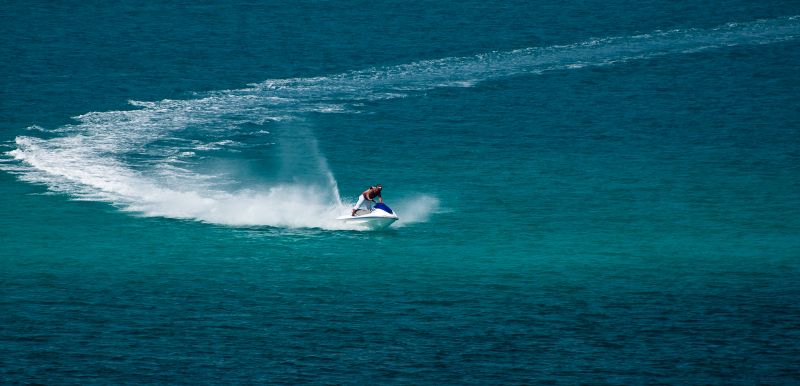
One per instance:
(379,187)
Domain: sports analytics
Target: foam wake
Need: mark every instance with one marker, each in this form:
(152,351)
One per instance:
(163,158)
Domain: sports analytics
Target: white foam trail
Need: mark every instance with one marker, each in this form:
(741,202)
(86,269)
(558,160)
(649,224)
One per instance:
(299,205)
(468,71)
(146,160)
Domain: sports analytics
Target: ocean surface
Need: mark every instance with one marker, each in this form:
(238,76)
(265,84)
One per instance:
(592,192)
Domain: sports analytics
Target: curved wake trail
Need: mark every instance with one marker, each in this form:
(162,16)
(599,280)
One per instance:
(147,160)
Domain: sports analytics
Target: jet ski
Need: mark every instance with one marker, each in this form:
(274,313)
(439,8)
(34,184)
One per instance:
(380,217)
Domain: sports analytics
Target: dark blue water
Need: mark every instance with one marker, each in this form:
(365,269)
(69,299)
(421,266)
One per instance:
(588,193)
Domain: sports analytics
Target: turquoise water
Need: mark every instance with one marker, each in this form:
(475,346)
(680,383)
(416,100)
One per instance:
(588,193)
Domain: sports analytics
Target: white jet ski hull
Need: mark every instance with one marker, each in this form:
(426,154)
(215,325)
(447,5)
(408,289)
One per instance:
(380,218)
(369,221)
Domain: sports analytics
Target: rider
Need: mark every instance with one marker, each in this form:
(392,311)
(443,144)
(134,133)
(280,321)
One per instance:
(368,197)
